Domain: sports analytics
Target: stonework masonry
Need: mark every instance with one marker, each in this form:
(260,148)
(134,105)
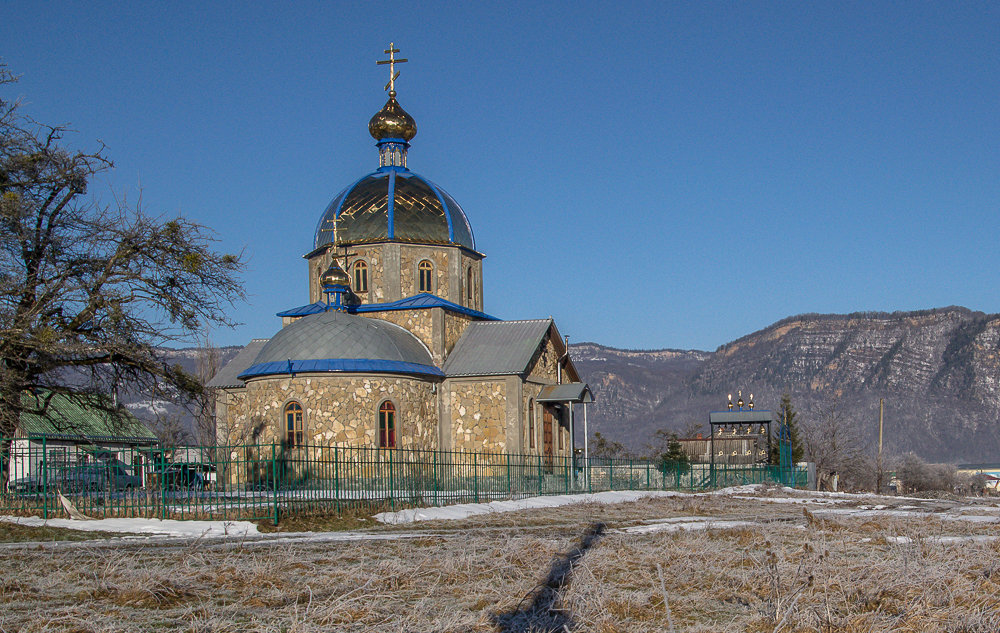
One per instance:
(478,414)
(392,272)
(338,409)
(419,322)
(454,327)
(410,258)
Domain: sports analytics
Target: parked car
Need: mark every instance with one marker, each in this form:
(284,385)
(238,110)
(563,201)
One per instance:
(87,478)
(120,477)
(111,476)
(188,476)
(29,485)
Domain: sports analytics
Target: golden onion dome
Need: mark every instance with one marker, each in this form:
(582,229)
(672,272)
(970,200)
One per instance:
(392,121)
(335,276)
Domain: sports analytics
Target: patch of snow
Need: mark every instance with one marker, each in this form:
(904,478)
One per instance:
(687,526)
(156,407)
(152,527)
(465,510)
(943,540)
(971,518)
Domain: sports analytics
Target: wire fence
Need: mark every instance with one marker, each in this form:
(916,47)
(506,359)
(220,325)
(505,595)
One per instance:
(270,481)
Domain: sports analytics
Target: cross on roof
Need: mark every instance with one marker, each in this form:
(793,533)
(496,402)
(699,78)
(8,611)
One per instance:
(392,61)
(335,222)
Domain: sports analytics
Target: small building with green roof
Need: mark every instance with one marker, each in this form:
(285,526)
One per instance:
(75,430)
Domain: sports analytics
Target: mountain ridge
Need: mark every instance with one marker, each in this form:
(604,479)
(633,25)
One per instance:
(937,369)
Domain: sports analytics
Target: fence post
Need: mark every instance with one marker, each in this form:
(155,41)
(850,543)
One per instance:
(163,484)
(590,483)
(274,482)
(539,475)
(45,476)
(510,485)
(566,474)
(434,476)
(392,483)
(336,476)
(475,477)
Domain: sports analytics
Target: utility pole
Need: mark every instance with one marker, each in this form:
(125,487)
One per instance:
(878,476)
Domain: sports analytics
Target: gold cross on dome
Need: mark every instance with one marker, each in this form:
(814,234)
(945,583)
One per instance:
(392,61)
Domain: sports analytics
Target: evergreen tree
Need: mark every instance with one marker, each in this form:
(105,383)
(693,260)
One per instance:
(675,451)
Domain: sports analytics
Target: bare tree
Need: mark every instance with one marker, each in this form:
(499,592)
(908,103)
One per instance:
(833,443)
(89,291)
(208,363)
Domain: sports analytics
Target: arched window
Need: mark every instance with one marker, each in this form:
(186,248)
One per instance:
(387,425)
(294,433)
(531,423)
(425,271)
(360,276)
(469,288)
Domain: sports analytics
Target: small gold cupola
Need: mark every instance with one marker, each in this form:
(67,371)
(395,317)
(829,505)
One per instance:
(392,122)
(337,286)
(336,276)
(391,126)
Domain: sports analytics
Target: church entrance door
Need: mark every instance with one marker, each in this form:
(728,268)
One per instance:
(548,421)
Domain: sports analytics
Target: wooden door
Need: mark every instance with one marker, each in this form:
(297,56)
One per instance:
(548,421)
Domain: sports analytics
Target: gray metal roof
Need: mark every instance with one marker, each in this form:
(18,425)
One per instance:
(227,376)
(338,335)
(491,348)
(567,392)
(745,416)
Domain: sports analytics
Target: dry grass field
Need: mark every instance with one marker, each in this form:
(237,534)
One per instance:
(767,562)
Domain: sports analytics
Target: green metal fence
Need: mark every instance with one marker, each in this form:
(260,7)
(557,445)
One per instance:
(269,481)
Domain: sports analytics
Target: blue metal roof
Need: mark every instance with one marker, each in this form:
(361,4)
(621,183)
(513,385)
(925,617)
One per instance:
(418,301)
(422,300)
(306,310)
(346,365)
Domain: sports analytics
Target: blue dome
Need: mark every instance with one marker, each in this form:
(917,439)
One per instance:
(397,205)
(334,341)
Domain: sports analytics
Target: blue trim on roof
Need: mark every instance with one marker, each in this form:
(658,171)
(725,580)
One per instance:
(342,365)
(396,168)
(419,301)
(447,211)
(391,220)
(306,310)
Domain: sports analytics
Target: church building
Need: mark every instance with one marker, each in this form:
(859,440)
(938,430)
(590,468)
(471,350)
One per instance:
(394,348)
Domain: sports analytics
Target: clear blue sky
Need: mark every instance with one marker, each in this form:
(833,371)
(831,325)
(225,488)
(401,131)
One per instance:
(651,174)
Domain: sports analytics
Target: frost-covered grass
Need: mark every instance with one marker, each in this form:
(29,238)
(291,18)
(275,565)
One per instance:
(755,563)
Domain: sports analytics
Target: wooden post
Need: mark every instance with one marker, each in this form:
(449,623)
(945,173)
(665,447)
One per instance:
(878,477)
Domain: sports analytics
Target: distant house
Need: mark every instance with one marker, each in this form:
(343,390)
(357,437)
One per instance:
(76,431)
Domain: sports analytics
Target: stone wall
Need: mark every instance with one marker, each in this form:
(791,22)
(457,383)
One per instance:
(341,409)
(544,365)
(370,253)
(478,415)
(418,322)
(410,257)
(530,407)
(454,328)
(476,302)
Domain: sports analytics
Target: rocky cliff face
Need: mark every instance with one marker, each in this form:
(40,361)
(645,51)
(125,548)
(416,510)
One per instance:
(937,370)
